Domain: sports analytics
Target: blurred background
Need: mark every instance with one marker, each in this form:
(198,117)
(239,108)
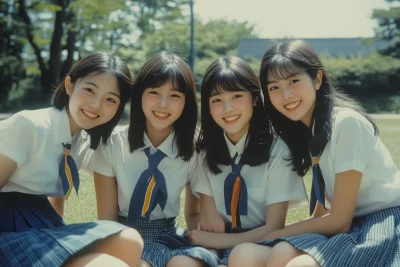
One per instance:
(40,40)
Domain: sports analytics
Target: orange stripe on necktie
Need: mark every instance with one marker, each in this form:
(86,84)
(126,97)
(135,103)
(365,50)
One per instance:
(235,201)
(149,192)
(68,174)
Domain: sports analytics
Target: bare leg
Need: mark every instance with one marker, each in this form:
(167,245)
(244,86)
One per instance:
(281,254)
(96,259)
(184,261)
(126,246)
(304,260)
(249,254)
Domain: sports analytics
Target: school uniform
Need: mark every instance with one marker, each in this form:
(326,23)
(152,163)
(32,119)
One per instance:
(373,239)
(150,181)
(266,184)
(31,231)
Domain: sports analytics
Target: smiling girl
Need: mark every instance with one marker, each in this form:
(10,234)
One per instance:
(245,181)
(356,221)
(140,174)
(40,154)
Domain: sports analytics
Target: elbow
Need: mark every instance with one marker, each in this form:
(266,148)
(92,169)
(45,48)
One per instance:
(341,227)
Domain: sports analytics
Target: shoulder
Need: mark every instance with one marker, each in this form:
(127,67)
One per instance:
(346,119)
(30,119)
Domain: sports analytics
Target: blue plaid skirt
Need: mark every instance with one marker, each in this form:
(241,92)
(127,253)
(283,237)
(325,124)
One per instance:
(36,235)
(163,239)
(374,240)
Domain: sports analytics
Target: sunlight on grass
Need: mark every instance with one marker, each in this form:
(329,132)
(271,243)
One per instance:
(83,208)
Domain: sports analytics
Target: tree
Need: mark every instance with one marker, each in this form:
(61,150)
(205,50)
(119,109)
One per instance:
(213,39)
(389,27)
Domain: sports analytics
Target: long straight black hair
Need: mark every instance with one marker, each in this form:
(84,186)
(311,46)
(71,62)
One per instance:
(287,59)
(101,62)
(160,69)
(233,74)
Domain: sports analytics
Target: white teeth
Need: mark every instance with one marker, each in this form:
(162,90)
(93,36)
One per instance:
(92,115)
(232,118)
(160,114)
(293,105)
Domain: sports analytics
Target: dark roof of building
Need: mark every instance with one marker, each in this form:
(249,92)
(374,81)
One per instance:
(336,47)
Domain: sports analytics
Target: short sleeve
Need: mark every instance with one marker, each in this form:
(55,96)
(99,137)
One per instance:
(100,161)
(283,183)
(353,140)
(17,133)
(200,182)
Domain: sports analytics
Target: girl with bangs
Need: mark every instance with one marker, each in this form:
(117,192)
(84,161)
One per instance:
(244,180)
(41,152)
(355,200)
(140,174)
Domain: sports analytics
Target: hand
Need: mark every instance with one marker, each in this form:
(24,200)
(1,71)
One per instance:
(202,238)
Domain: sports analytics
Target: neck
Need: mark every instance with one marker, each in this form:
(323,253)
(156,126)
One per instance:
(157,136)
(72,125)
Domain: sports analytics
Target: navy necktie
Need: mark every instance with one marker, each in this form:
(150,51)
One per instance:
(235,194)
(150,189)
(318,185)
(68,172)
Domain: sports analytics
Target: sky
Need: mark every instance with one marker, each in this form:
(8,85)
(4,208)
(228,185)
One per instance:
(297,18)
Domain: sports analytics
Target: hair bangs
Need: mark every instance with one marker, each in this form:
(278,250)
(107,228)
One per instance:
(227,81)
(282,68)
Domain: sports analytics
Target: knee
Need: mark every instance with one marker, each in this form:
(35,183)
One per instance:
(242,255)
(183,261)
(282,253)
(131,238)
(304,260)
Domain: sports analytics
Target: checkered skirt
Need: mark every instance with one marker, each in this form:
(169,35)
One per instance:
(163,239)
(374,240)
(51,247)
(33,234)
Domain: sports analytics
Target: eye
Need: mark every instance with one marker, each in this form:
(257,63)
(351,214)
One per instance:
(89,90)
(294,81)
(111,100)
(175,96)
(273,88)
(215,100)
(153,92)
(237,96)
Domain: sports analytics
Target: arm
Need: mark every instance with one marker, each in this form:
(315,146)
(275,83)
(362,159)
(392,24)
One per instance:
(106,197)
(7,167)
(192,209)
(58,204)
(275,220)
(347,185)
(210,219)
(319,211)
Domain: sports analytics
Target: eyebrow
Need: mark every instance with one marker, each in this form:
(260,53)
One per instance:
(95,85)
(291,76)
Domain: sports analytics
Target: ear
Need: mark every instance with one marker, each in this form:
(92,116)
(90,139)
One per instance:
(68,85)
(255,101)
(318,80)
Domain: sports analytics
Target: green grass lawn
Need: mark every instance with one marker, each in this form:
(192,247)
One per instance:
(82,208)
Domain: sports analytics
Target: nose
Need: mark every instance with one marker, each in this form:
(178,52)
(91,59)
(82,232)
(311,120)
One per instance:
(228,106)
(287,92)
(163,101)
(96,103)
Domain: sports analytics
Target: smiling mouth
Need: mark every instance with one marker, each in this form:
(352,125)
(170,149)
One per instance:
(90,114)
(161,115)
(293,106)
(231,119)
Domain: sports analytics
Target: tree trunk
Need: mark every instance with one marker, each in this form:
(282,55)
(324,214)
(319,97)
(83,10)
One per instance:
(55,49)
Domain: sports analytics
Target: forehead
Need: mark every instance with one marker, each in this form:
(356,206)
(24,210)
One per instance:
(104,81)
(281,68)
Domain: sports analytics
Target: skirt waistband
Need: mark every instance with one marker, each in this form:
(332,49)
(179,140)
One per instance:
(22,200)
(151,224)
